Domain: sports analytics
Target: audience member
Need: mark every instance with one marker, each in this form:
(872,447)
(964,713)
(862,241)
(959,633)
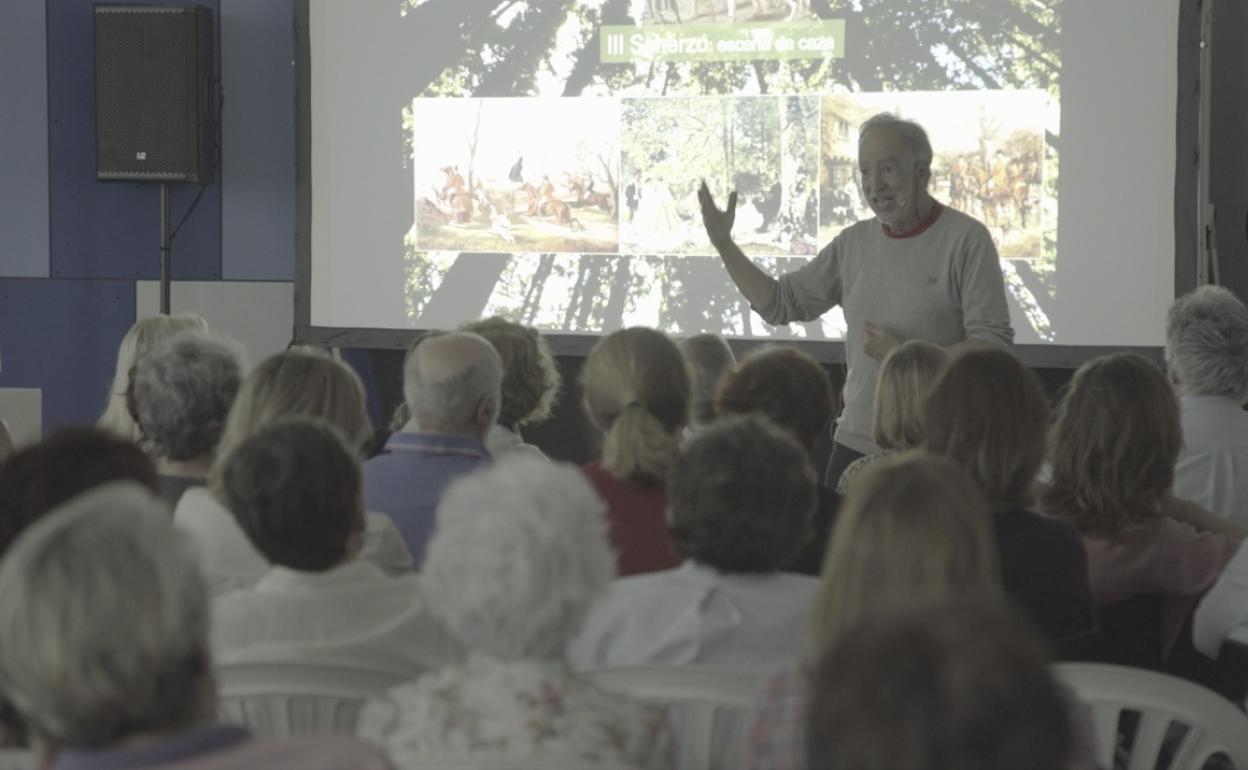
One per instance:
(989,415)
(636,389)
(38,478)
(70,461)
(293,383)
(104,648)
(1112,449)
(294,487)
(1207,355)
(451,383)
(792,390)
(180,395)
(906,375)
(530,383)
(519,554)
(913,532)
(143,336)
(709,358)
(961,686)
(740,501)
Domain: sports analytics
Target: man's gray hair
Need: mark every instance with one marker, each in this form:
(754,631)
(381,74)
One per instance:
(446,376)
(1207,343)
(913,136)
(518,556)
(104,622)
(183,390)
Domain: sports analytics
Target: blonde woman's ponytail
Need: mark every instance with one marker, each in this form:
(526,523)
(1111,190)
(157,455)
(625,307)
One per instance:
(638,447)
(636,386)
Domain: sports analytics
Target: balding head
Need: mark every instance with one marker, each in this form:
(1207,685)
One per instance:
(451,384)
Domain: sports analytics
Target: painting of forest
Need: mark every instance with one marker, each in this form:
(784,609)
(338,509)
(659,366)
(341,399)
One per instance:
(764,147)
(748,125)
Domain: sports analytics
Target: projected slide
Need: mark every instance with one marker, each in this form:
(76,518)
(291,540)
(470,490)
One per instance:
(540,160)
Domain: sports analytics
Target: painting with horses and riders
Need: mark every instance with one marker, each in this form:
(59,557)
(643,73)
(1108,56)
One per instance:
(513,175)
(988,160)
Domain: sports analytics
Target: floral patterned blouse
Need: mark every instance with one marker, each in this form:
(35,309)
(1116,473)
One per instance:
(492,709)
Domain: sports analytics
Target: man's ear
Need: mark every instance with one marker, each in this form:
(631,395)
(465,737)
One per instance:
(487,412)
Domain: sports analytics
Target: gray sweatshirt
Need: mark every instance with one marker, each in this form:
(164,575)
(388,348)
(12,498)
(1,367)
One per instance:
(942,285)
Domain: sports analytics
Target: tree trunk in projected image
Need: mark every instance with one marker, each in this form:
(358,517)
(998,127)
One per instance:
(617,298)
(467,286)
(533,293)
(698,297)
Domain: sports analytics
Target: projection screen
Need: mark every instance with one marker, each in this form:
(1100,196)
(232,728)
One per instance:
(539,160)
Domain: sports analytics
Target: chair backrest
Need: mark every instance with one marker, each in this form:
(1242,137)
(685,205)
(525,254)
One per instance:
(701,698)
(1148,715)
(280,699)
(1233,670)
(17,759)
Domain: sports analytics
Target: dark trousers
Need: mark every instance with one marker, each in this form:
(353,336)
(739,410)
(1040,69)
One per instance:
(838,461)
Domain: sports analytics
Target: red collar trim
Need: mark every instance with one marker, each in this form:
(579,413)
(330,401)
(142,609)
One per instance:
(921,227)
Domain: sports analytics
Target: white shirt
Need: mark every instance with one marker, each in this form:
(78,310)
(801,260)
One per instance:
(1223,612)
(694,615)
(1213,468)
(230,561)
(501,442)
(351,615)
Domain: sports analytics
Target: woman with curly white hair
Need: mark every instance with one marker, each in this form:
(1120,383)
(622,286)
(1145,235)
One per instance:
(180,395)
(519,554)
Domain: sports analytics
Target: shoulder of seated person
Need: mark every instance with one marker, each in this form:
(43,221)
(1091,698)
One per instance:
(322,752)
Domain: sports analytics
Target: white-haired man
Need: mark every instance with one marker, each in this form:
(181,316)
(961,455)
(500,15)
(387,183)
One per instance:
(451,383)
(916,270)
(104,621)
(1207,356)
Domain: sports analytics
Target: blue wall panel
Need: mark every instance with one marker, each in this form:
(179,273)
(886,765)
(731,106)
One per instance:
(24,150)
(109,230)
(258,127)
(62,336)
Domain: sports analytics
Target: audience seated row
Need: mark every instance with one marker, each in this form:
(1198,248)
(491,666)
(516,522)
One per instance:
(288,384)
(464,561)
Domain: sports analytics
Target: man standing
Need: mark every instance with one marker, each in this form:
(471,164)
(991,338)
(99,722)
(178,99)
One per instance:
(916,270)
(451,385)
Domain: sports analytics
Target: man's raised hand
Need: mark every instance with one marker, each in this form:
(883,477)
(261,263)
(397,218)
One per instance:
(718,222)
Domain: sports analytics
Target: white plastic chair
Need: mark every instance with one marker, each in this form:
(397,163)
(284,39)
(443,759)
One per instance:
(17,759)
(281,699)
(703,697)
(1214,724)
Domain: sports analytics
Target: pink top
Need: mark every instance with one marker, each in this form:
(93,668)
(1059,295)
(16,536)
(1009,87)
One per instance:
(1169,558)
(637,518)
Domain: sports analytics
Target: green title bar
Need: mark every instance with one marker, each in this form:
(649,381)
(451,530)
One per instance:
(724,42)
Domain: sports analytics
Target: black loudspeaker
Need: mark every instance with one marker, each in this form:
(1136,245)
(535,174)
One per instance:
(155,96)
